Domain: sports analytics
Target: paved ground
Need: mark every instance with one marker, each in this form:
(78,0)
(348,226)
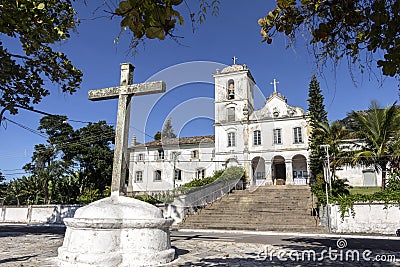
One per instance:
(36,246)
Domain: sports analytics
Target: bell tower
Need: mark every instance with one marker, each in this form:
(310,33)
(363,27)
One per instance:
(234,94)
(234,103)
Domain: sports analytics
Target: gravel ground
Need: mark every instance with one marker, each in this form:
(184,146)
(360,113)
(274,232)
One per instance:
(38,247)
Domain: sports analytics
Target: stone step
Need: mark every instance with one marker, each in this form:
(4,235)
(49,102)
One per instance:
(287,187)
(270,198)
(239,221)
(217,210)
(251,216)
(277,199)
(277,218)
(258,208)
(275,208)
(265,203)
(280,228)
(270,193)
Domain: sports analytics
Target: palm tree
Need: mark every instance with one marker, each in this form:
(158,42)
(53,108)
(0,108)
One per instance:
(333,134)
(376,130)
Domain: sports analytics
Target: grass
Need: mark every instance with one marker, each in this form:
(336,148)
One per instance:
(365,190)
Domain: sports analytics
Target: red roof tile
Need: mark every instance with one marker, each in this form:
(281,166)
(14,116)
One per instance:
(178,141)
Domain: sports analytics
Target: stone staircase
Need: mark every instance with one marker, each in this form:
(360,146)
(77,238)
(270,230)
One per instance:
(266,208)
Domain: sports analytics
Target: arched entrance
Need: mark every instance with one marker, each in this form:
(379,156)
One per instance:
(231,162)
(300,173)
(279,170)
(258,170)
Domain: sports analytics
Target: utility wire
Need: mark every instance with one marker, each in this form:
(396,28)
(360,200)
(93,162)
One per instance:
(11,170)
(92,139)
(26,127)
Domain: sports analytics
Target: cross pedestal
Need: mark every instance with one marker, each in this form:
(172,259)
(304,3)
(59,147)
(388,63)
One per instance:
(117,230)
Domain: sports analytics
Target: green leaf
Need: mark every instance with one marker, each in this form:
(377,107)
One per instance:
(176,2)
(40,6)
(124,6)
(155,32)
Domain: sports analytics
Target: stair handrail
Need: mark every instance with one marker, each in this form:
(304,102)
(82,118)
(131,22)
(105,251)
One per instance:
(207,194)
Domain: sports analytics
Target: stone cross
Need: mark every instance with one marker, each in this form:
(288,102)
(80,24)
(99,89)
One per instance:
(234,60)
(275,82)
(124,93)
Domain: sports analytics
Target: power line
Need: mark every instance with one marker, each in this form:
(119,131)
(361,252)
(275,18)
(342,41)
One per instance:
(26,128)
(113,124)
(16,173)
(11,170)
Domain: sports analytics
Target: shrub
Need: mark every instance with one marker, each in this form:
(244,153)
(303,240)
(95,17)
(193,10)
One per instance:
(89,196)
(340,194)
(149,199)
(198,182)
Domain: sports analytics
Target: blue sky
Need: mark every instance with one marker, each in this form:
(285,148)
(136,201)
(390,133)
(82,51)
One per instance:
(187,68)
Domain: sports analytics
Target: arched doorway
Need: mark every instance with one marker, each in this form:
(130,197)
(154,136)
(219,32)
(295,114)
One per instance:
(231,162)
(279,170)
(300,173)
(258,170)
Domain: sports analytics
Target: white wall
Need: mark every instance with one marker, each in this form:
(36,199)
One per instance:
(185,163)
(369,218)
(53,214)
(355,175)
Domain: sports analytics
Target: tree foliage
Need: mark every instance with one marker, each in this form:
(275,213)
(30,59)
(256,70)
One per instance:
(168,130)
(153,19)
(157,136)
(317,115)
(35,26)
(341,28)
(2,185)
(158,19)
(337,29)
(72,166)
(334,135)
(378,137)
(340,194)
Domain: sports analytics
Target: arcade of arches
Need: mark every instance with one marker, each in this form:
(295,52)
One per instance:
(280,171)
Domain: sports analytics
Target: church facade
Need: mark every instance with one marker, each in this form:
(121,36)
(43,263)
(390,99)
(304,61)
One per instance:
(270,143)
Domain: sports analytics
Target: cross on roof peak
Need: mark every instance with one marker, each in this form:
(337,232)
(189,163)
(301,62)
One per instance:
(234,60)
(275,82)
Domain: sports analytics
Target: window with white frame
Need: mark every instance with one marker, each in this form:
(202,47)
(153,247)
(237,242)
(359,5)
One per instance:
(138,177)
(257,137)
(178,175)
(195,154)
(141,157)
(157,175)
(175,155)
(277,136)
(297,135)
(160,154)
(231,139)
(200,173)
(231,114)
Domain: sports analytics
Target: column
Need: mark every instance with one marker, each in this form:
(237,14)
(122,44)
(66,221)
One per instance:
(308,171)
(289,172)
(268,172)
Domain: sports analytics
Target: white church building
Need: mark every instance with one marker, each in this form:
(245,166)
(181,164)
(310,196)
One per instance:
(270,143)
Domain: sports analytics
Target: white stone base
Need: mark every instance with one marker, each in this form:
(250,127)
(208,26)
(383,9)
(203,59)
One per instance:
(117,231)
